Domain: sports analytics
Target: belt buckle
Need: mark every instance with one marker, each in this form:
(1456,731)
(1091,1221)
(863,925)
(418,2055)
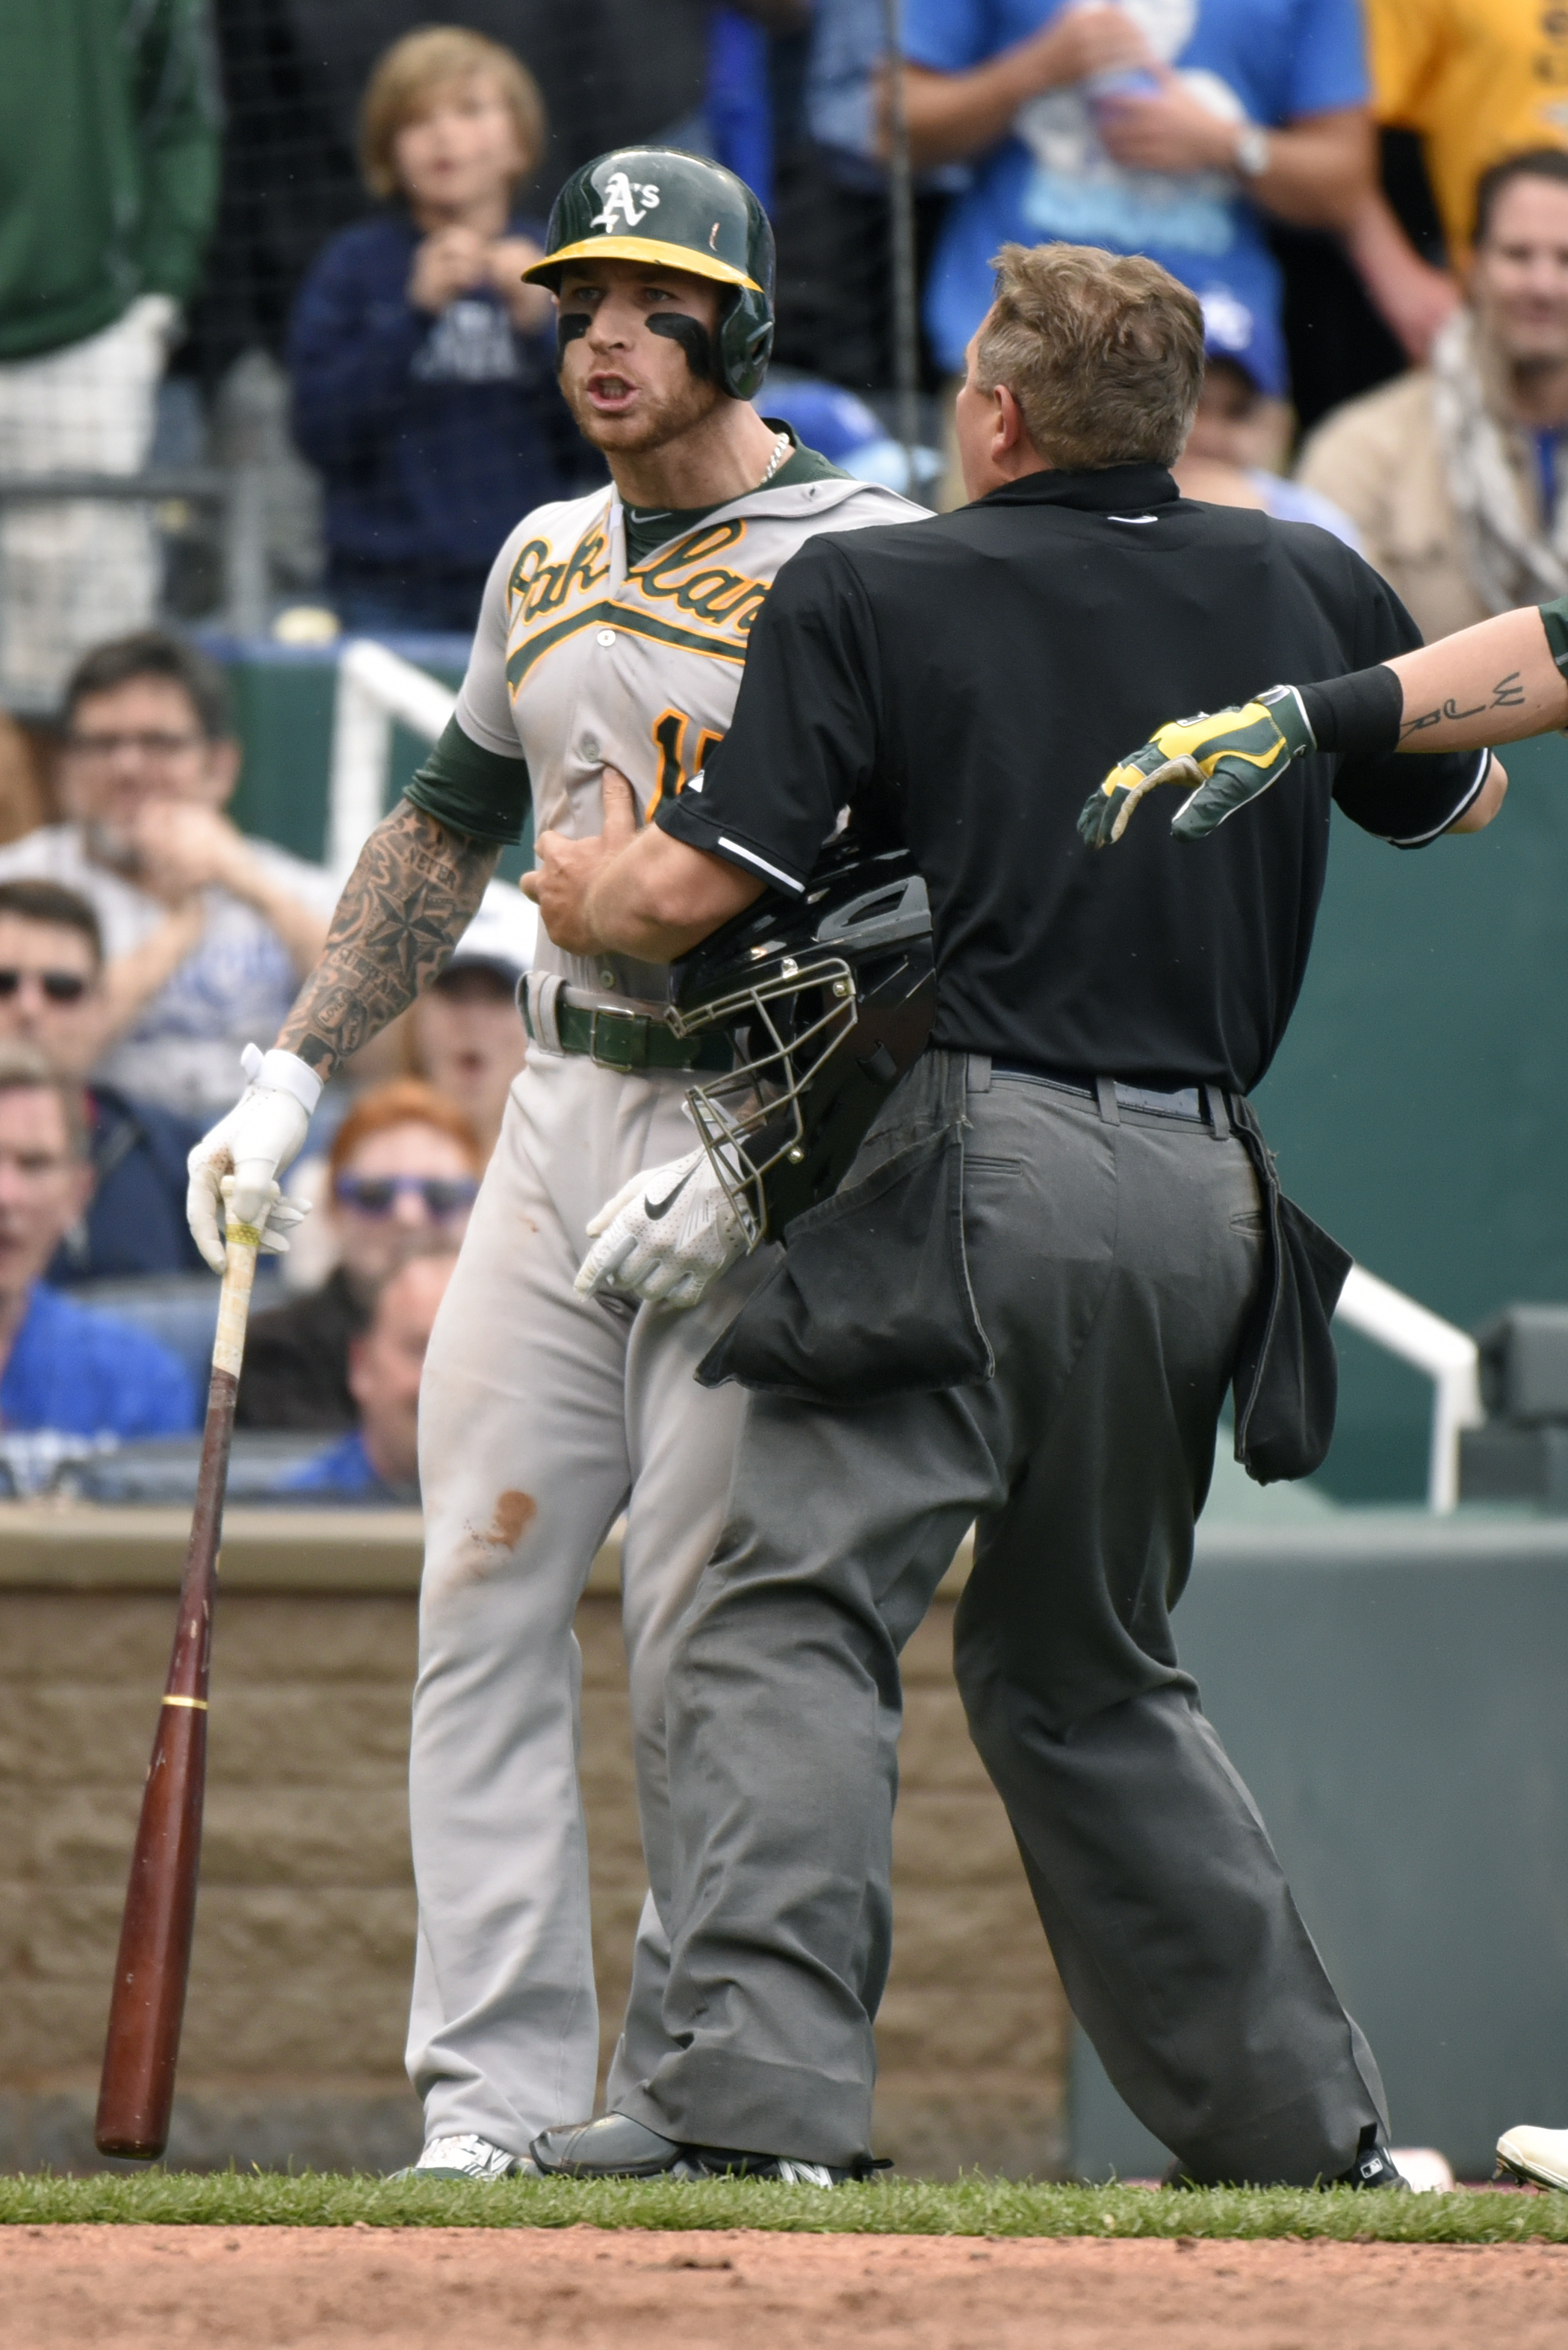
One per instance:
(635,1028)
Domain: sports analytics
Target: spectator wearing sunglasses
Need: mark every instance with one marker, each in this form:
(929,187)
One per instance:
(379,1461)
(207,933)
(403,1173)
(63,1365)
(52,998)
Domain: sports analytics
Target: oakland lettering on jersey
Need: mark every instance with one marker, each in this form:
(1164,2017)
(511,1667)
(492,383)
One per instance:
(683,596)
(542,585)
(713,593)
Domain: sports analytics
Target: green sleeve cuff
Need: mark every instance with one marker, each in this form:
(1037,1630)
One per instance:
(1554,620)
(473,790)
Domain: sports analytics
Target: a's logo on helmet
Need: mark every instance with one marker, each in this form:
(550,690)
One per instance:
(621,205)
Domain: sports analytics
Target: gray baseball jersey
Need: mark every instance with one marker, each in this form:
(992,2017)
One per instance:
(580,662)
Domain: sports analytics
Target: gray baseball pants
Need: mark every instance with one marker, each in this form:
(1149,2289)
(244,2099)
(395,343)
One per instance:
(1112,1263)
(542,1416)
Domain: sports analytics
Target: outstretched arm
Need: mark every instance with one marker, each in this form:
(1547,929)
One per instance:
(413,894)
(1496,683)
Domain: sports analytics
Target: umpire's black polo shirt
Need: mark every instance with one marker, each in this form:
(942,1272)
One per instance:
(963,684)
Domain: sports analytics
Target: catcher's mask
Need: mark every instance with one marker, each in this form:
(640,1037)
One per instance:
(827,999)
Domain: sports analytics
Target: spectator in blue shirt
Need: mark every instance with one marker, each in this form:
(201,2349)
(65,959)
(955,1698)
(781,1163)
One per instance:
(424,369)
(379,1460)
(52,997)
(1170,128)
(61,1365)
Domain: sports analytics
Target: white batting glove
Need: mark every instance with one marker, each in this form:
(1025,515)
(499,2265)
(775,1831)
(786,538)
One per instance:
(251,1146)
(666,1236)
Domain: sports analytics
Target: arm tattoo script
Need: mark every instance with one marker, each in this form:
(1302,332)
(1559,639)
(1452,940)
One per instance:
(409,899)
(1507,694)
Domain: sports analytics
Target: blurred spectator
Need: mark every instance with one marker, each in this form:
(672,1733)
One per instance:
(841,428)
(403,1174)
(379,1460)
(739,104)
(468,1038)
(294,71)
(51,997)
(1175,131)
(424,369)
(65,1366)
(1479,80)
(1242,421)
(831,216)
(21,801)
(1454,473)
(207,933)
(109,175)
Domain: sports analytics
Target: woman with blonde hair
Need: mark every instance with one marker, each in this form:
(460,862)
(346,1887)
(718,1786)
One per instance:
(424,376)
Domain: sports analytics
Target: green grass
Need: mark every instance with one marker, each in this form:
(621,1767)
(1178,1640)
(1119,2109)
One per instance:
(974,2206)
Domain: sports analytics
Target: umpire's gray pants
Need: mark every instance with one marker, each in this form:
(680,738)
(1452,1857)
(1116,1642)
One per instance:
(1112,1264)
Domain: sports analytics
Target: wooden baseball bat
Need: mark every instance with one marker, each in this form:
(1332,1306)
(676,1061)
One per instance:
(147,2005)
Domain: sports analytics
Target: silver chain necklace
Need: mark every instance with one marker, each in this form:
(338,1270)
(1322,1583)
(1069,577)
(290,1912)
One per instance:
(781,450)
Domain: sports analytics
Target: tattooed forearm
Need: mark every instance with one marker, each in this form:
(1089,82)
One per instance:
(1507,694)
(403,909)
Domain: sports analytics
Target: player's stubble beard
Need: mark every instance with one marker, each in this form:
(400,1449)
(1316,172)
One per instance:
(665,416)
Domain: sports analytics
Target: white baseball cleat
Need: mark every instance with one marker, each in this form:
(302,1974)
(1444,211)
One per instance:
(469,2158)
(1539,2156)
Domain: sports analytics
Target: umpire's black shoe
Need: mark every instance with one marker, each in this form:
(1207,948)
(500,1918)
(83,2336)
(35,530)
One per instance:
(614,2146)
(1374,2167)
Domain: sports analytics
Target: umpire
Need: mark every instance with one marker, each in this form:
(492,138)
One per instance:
(1060,1244)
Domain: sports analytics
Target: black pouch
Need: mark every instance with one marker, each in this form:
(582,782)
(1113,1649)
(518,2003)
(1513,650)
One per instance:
(1286,1378)
(872,1295)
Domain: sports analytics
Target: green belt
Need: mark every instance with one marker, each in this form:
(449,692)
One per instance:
(631,1040)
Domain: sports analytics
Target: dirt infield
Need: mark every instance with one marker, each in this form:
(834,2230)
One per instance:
(74,2288)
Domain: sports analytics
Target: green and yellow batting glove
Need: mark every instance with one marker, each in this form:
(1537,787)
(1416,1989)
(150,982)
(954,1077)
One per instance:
(1222,759)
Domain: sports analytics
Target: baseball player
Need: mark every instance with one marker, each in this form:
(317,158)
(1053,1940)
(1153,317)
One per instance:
(605,668)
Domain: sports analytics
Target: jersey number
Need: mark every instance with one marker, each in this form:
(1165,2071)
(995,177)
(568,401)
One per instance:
(672,733)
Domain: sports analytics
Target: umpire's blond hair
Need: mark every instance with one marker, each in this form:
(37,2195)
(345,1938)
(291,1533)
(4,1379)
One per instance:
(1102,351)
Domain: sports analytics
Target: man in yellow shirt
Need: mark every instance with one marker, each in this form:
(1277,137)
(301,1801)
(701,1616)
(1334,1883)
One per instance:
(1478,79)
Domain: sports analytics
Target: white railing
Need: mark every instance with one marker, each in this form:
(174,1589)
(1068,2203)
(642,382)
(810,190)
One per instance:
(1449,1356)
(376,690)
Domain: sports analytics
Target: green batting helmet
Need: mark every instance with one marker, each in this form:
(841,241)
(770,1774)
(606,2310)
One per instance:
(658,204)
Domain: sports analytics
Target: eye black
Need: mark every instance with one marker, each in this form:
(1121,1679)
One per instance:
(569,324)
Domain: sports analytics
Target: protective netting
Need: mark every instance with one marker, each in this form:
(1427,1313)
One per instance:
(152,468)
(164,457)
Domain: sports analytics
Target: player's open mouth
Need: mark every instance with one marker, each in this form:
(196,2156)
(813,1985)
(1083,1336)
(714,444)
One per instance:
(611,393)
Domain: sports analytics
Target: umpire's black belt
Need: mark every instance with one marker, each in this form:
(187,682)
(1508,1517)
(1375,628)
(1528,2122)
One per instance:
(1202,1104)
(610,1035)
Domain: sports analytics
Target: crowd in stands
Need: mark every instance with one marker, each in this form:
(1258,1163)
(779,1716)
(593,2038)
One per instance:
(143,940)
(207,935)
(154,205)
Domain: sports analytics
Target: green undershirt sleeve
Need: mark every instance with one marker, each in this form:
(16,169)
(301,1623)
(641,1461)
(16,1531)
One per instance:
(472,791)
(1554,620)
